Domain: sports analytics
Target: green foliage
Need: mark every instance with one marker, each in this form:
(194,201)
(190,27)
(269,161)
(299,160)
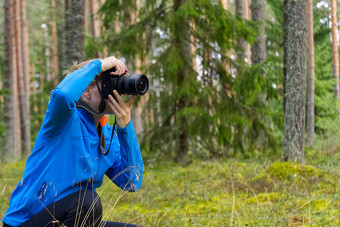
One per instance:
(326,111)
(218,110)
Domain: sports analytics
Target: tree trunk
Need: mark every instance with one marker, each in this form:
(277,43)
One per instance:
(225,61)
(182,42)
(75,37)
(19,72)
(295,56)
(34,99)
(239,8)
(138,109)
(61,36)
(335,48)
(310,102)
(11,139)
(258,50)
(248,13)
(54,46)
(95,22)
(25,77)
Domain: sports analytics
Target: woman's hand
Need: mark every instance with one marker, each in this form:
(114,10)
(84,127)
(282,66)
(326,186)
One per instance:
(121,109)
(112,62)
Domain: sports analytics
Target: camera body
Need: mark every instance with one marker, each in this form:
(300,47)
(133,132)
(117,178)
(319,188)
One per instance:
(136,84)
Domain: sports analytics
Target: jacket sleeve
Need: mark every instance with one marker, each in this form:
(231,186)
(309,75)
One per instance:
(128,173)
(65,96)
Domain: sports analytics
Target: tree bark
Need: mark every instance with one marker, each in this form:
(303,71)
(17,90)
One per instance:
(335,48)
(54,46)
(310,97)
(24,92)
(239,8)
(61,36)
(75,28)
(258,50)
(225,62)
(11,139)
(95,22)
(248,13)
(19,71)
(295,56)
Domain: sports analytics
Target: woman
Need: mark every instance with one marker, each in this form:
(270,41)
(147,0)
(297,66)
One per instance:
(73,151)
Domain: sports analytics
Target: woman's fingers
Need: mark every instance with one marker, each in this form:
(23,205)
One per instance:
(121,68)
(117,106)
(131,100)
(112,62)
(121,109)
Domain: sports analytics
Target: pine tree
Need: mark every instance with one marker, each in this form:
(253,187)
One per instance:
(310,97)
(258,50)
(11,140)
(295,56)
(335,50)
(192,110)
(239,10)
(54,44)
(74,29)
(25,77)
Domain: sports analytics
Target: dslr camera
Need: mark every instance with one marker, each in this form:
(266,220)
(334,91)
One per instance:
(136,84)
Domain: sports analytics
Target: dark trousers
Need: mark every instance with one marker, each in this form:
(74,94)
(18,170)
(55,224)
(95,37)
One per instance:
(82,208)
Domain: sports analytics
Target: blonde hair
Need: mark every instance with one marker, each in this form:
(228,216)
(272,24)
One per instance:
(77,66)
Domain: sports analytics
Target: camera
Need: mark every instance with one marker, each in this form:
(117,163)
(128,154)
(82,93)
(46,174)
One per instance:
(136,84)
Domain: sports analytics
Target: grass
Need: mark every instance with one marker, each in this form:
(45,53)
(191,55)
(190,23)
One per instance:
(252,192)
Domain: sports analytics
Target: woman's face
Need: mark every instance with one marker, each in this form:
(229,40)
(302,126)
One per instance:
(93,96)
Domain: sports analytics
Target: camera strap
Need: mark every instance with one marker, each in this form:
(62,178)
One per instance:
(102,104)
(102,138)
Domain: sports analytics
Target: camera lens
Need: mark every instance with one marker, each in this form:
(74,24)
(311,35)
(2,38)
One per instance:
(142,84)
(136,84)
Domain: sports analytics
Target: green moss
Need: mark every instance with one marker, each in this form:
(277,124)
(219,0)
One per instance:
(320,205)
(267,197)
(316,206)
(289,170)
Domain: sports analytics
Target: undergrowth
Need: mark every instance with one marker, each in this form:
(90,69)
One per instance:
(251,192)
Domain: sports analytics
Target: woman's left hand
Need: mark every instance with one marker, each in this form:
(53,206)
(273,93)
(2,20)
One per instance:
(121,109)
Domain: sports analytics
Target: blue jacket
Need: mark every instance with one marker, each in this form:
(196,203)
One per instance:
(66,156)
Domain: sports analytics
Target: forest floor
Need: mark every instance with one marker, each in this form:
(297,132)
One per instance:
(229,192)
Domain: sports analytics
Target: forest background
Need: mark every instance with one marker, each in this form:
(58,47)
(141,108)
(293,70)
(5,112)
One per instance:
(219,100)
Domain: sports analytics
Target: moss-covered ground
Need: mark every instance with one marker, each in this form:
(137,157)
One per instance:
(226,192)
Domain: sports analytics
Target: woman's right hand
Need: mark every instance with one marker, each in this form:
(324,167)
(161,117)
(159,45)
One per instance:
(110,62)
